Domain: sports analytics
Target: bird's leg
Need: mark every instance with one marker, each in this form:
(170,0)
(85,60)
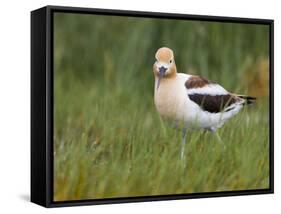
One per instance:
(218,137)
(183,143)
(213,130)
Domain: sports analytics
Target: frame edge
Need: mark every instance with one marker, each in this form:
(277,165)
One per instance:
(38,187)
(41,53)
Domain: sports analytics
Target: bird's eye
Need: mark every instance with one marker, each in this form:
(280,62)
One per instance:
(171,61)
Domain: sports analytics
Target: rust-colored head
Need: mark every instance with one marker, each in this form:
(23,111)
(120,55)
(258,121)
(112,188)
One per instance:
(165,66)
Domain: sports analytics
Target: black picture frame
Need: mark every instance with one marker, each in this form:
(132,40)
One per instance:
(42,105)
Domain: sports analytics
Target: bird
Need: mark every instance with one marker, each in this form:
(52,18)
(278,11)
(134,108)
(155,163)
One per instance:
(191,102)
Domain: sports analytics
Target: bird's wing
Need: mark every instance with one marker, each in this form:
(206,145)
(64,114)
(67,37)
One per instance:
(210,96)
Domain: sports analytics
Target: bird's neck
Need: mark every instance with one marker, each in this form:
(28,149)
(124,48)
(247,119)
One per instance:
(166,82)
(168,76)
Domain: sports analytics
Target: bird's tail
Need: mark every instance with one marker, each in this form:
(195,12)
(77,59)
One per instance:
(248,99)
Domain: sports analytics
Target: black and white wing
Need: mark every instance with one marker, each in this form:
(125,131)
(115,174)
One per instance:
(210,96)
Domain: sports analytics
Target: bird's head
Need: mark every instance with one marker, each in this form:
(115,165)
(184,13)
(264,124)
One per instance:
(165,66)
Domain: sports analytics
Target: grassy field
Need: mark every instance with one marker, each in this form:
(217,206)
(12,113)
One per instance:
(109,140)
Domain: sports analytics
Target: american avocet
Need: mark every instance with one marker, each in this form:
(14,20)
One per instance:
(189,101)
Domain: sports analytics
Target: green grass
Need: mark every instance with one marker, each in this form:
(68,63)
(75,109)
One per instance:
(108,138)
(107,147)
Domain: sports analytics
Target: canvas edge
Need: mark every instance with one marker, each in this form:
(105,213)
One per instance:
(153,14)
(160,198)
(38,153)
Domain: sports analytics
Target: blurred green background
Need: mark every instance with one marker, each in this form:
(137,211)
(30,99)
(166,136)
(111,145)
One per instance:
(108,138)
